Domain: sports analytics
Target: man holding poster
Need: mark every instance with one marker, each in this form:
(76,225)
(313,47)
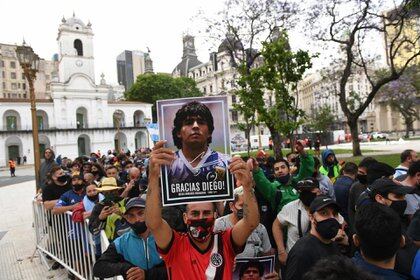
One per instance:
(199,253)
(199,172)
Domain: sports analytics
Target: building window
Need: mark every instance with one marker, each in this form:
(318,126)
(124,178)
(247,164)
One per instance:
(3,74)
(4,85)
(234,116)
(233,99)
(78,45)
(18,85)
(14,86)
(11,122)
(1,63)
(23,76)
(23,86)
(211,88)
(13,75)
(204,90)
(13,64)
(24,95)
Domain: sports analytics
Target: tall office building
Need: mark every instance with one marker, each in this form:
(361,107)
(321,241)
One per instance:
(130,64)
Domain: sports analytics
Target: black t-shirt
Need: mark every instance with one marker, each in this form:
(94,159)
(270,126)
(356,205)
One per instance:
(414,229)
(355,191)
(53,191)
(305,253)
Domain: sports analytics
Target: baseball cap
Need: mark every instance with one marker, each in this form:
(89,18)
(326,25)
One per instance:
(385,186)
(308,184)
(135,202)
(321,202)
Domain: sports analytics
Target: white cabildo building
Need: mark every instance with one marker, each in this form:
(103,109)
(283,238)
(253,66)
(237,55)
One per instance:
(81,116)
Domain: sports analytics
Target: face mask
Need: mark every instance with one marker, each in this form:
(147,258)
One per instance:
(200,229)
(328,228)
(399,206)
(93,198)
(139,227)
(283,179)
(362,178)
(62,179)
(78,187)
(307,197)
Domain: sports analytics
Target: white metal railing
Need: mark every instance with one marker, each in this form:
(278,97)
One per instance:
(65,241)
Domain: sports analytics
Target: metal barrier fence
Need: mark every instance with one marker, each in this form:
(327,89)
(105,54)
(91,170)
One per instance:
(65,241)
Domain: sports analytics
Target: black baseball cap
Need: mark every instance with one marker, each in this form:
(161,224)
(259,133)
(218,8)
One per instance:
(307,184)
(322,201)
(384,186)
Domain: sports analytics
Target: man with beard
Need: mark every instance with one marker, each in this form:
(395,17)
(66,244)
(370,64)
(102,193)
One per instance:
(132,255)
(69,199)
(294,218)
(199,253)
(318,244)
(45,167)
(270,190)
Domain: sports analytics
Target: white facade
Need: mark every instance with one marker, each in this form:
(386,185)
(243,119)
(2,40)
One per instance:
(81,117)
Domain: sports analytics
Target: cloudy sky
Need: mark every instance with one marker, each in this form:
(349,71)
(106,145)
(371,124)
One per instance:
(117,25)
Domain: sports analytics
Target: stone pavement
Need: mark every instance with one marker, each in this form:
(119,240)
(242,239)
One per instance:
(17,237)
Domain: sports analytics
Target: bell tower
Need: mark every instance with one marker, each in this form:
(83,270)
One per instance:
(75,43)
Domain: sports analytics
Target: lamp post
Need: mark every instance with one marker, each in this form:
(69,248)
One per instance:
(29,61)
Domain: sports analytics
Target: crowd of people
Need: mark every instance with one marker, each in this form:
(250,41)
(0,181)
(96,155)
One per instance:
(321,218)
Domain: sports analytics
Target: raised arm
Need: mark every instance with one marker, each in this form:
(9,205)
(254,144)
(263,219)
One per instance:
(243,229)
(160,229)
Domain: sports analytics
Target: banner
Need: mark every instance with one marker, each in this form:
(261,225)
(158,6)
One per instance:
(197,129)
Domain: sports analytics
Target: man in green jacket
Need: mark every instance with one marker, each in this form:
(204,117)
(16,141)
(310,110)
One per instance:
(284,183)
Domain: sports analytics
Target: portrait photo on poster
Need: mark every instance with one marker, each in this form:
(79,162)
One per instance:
(255,267)
(197,129)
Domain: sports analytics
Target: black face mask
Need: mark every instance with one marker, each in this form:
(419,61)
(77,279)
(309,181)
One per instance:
(93,198)
(139,227)
(78,187)
(362,178)
(328,228)
(283,179)
(399,206)
(307,197)
(62,179)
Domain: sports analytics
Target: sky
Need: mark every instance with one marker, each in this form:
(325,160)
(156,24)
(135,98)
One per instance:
(118,26)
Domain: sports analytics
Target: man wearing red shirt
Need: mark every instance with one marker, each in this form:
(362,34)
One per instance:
(199,254)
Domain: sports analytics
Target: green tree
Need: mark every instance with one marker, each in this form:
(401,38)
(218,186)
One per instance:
(281,71)
(152,87)
(278,76)
(349,27)
(322,119)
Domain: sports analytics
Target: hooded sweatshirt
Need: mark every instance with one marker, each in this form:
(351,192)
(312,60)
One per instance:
(44,169)
(328,169)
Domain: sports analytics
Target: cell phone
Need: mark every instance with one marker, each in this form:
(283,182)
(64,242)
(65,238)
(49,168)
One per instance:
(108,203)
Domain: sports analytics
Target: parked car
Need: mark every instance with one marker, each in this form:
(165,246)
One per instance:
(379,135)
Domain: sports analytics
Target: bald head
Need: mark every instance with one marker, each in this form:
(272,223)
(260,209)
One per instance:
(134,173)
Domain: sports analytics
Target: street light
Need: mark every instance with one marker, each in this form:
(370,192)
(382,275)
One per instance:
(29,61)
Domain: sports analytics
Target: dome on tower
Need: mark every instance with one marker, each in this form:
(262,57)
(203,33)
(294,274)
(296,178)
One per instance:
(74,23)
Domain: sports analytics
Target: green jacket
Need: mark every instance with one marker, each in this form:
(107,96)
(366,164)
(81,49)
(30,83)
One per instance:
(268,190)
(306,169)
(111,221)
